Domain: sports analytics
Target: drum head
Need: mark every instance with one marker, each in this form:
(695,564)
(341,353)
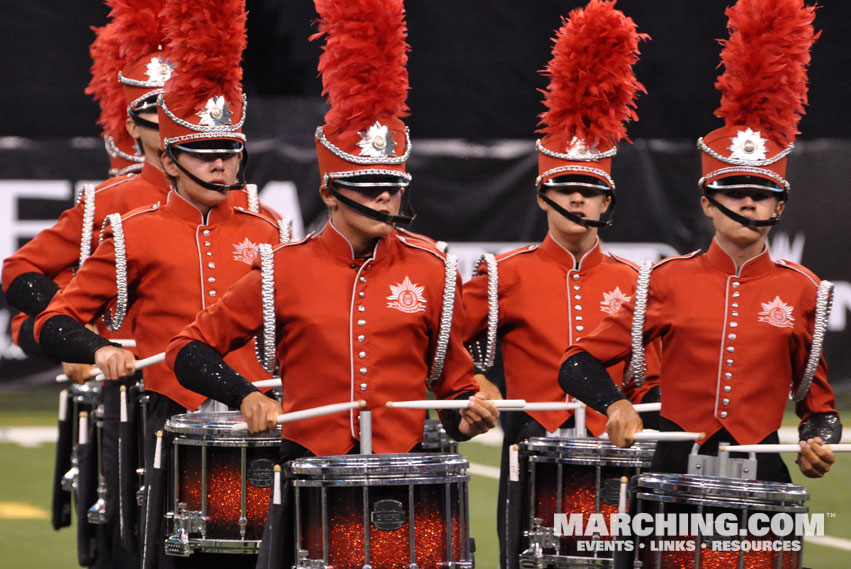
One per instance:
(214,426)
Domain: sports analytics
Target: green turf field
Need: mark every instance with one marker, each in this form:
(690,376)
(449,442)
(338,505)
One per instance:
(28,541)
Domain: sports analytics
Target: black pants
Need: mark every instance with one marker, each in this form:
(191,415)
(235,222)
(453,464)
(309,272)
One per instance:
(673,456)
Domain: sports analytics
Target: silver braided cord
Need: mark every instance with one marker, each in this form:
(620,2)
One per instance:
(220,129)
(365,160)
(824,302)
(114,320)
(446,313)
(264,342)
(484,362)
(745,170)
(739,162)
(253,199)
(285,229)
(638,365)
(88,195)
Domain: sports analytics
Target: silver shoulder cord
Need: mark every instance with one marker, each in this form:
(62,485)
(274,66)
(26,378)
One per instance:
(446,313)
(483,362)
(285,229)
(253,200)
(115,320)
(638,365)
(88,195)
(824,302)
(264,342)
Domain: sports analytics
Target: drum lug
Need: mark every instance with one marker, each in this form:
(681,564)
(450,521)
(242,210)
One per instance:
(97,512)
(305,563)
(540,538)
(185,522)
(69,479)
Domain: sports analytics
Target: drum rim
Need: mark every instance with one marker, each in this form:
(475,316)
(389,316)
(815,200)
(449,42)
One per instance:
(378,466)
(586,448)
(189,426)
(698,486)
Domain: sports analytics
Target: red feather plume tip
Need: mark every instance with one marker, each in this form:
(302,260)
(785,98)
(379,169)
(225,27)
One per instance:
(104,86)
(206,39)
(764,84)
(592,88)
(138,24)
(363,64)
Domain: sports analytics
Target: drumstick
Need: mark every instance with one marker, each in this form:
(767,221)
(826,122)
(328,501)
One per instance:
(503,404)
(647,407)
(662,436)
(553,405)
(779,448)
(97,375)
(274,382)
(308,413)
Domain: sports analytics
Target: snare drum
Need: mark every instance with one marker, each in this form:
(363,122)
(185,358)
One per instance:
(709,497)
(220,485)
(435,438)
(382,511)
(572,476)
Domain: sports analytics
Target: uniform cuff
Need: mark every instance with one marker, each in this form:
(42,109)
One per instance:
(202,369)
(824,425)
(584,377)
(31,293)
(65,340)
(451,419)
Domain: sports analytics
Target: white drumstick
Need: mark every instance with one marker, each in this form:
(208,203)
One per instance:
(647,407)
(553,405)
(125,343)
(308,413)
(141,364)
(780,448)
(274,382)
(97,375)
(502,404)
(662,436)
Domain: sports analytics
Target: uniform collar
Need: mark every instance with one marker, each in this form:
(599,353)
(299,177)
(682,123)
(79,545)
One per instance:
(567,260)
(720,260)
(181,208)
(154,176)
(340,247)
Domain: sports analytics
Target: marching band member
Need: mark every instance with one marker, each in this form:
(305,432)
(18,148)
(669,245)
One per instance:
(738,329)
(372,312)
(161,264)
(543,297)
(33,274)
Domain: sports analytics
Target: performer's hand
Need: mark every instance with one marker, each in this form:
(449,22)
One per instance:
(623,423)
(488,389)
(479,417)
(815,459)
(115,363)
(260,412)
(78,373)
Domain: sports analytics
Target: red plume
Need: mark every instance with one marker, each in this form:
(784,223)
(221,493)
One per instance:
(138,25)
(764,84)
(592,88)
(363,65)
(206,41)
(104,86)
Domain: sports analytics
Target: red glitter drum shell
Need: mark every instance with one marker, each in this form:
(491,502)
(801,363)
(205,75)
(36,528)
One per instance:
(389,549)
(223,490)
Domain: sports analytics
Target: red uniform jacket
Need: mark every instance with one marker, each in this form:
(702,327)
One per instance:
(177,265)
(733,344)
(547,301)
(348,329)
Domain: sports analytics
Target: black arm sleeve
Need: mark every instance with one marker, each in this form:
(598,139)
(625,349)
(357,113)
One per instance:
(200,368)
(31,293)
(824,425)
(584,377)
(451,419)
(26,339)
(65,340)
